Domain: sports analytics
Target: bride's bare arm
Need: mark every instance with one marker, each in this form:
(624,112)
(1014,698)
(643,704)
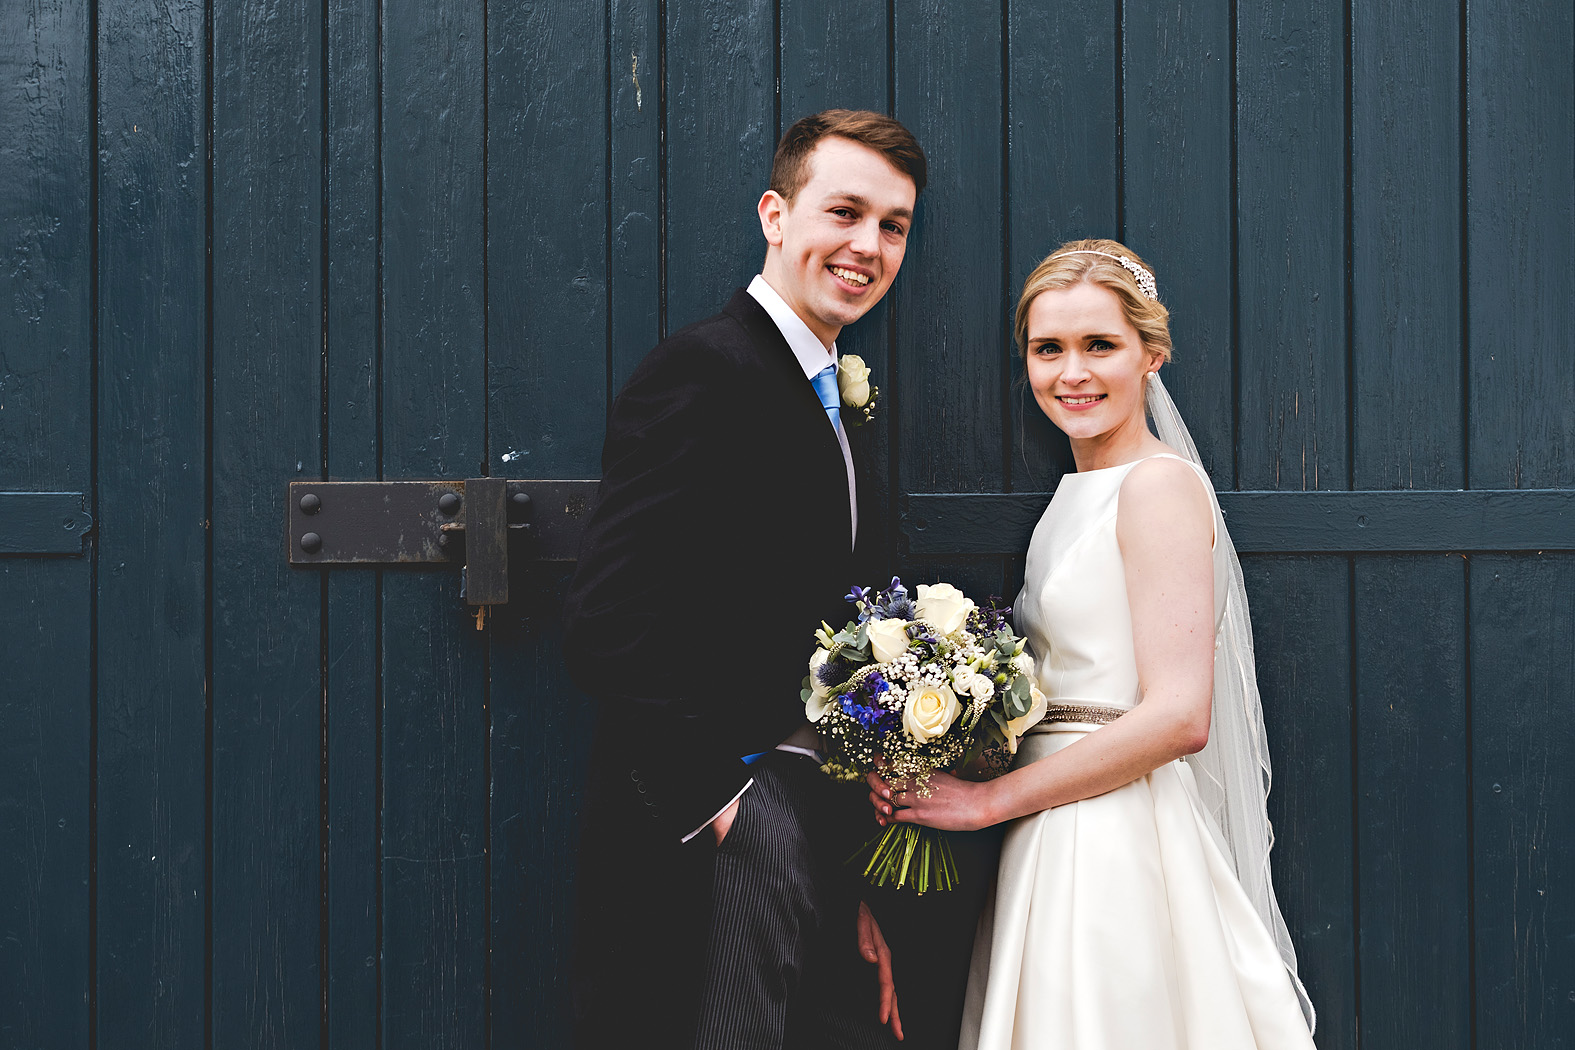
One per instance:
(1165,527)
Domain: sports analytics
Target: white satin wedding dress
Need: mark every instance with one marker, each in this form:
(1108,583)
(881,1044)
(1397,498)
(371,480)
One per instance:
(1116,923)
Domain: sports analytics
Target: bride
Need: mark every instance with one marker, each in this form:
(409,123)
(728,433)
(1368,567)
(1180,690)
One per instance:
(1133,907)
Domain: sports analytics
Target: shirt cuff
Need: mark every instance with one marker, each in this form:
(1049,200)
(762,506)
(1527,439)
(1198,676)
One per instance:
(719,812)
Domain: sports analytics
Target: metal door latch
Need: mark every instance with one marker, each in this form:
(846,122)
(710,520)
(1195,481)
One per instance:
(465,523)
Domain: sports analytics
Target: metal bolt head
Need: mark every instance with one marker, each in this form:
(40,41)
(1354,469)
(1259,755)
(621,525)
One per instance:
(310,504)
(311,543)
(448,503)
(519,505)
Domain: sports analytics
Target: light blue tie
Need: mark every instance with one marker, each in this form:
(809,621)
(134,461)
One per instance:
(830,399)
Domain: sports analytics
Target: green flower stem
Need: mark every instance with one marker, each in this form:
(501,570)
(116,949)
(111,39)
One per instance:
(906,854)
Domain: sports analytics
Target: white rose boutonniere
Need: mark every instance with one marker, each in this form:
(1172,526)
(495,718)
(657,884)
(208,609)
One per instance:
(930,712)
(888,638)
(944,607)
(858,395)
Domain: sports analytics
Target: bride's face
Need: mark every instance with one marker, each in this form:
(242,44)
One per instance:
(1086,363)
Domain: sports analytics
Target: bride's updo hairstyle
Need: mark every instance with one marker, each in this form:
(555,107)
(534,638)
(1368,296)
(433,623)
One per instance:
(1062,269)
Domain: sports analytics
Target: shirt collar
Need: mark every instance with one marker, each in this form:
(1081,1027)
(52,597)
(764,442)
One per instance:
(811,352)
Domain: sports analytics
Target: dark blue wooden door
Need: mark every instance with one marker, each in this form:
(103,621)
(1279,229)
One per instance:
(248,804)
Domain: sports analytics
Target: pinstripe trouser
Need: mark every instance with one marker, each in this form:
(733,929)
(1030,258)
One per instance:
(782,965)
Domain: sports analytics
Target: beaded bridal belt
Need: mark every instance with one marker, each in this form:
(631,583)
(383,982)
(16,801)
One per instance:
(1091,714)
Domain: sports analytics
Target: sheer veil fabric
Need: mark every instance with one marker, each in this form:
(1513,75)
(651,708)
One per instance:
(1232,770)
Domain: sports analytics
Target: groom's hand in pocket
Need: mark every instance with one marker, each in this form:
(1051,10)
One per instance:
(724,821)
(872,945)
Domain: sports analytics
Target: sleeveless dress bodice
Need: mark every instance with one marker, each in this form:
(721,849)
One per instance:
(1073,606)
(1116,922)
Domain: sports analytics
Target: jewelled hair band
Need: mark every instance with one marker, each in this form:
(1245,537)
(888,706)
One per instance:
(1145,280)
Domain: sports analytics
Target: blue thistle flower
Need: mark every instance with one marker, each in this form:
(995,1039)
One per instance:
(899,609)
(830,673)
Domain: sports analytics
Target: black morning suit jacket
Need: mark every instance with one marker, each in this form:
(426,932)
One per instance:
(720,541)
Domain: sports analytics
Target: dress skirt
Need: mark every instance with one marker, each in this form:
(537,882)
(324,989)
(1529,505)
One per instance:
(1117,924)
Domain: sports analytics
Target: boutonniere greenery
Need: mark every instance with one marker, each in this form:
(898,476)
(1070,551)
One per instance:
(858,393)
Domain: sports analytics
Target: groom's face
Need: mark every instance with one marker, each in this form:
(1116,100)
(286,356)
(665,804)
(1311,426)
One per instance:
(834,249)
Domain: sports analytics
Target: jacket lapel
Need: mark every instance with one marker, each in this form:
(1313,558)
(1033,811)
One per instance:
(813,435)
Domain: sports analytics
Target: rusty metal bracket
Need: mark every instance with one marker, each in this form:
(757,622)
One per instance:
(479,523)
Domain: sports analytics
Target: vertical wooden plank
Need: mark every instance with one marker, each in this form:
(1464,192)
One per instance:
(833,56)
(1413,768)
(152,527)
(267,404)
(1406,207)
(435,936)
(548,270)
(46,416)
(636,113)
(1412,748)
(1521,242)
(1301,621)
(547,246)
(351,863)
(1520,175)
(1177,194)
(1405,246)
(951,344)
(1522,676)
(1290,242)
(721,131)
(1064,179)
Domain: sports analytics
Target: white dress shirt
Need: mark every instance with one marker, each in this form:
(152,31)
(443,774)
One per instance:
(813,356)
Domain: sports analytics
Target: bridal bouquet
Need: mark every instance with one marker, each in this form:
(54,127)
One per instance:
(925,684)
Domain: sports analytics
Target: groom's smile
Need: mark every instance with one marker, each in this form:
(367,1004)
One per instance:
(857,278)
(834,249)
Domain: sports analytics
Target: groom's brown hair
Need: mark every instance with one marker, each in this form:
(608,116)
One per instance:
(884,135)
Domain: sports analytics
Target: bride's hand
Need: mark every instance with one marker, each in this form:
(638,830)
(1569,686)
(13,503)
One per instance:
(949,804)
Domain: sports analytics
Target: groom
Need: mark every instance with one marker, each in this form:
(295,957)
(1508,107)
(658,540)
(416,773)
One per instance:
(731,519)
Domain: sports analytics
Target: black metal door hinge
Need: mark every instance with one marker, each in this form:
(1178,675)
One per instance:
(479,523)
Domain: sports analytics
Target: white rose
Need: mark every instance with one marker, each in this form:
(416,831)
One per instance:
(980,687)
(930,712)
(1016,727)
(853,380)
(888,638)
(1023,664)
(851,369)
(856,395)
(944,607)
(968,682)
(819,696)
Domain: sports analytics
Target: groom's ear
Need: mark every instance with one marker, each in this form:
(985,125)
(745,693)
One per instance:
(771,208)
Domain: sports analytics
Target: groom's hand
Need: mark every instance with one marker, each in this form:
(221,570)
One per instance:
(723,821)
(872,945)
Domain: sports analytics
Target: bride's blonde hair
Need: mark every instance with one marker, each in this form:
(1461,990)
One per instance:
(1096,262)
